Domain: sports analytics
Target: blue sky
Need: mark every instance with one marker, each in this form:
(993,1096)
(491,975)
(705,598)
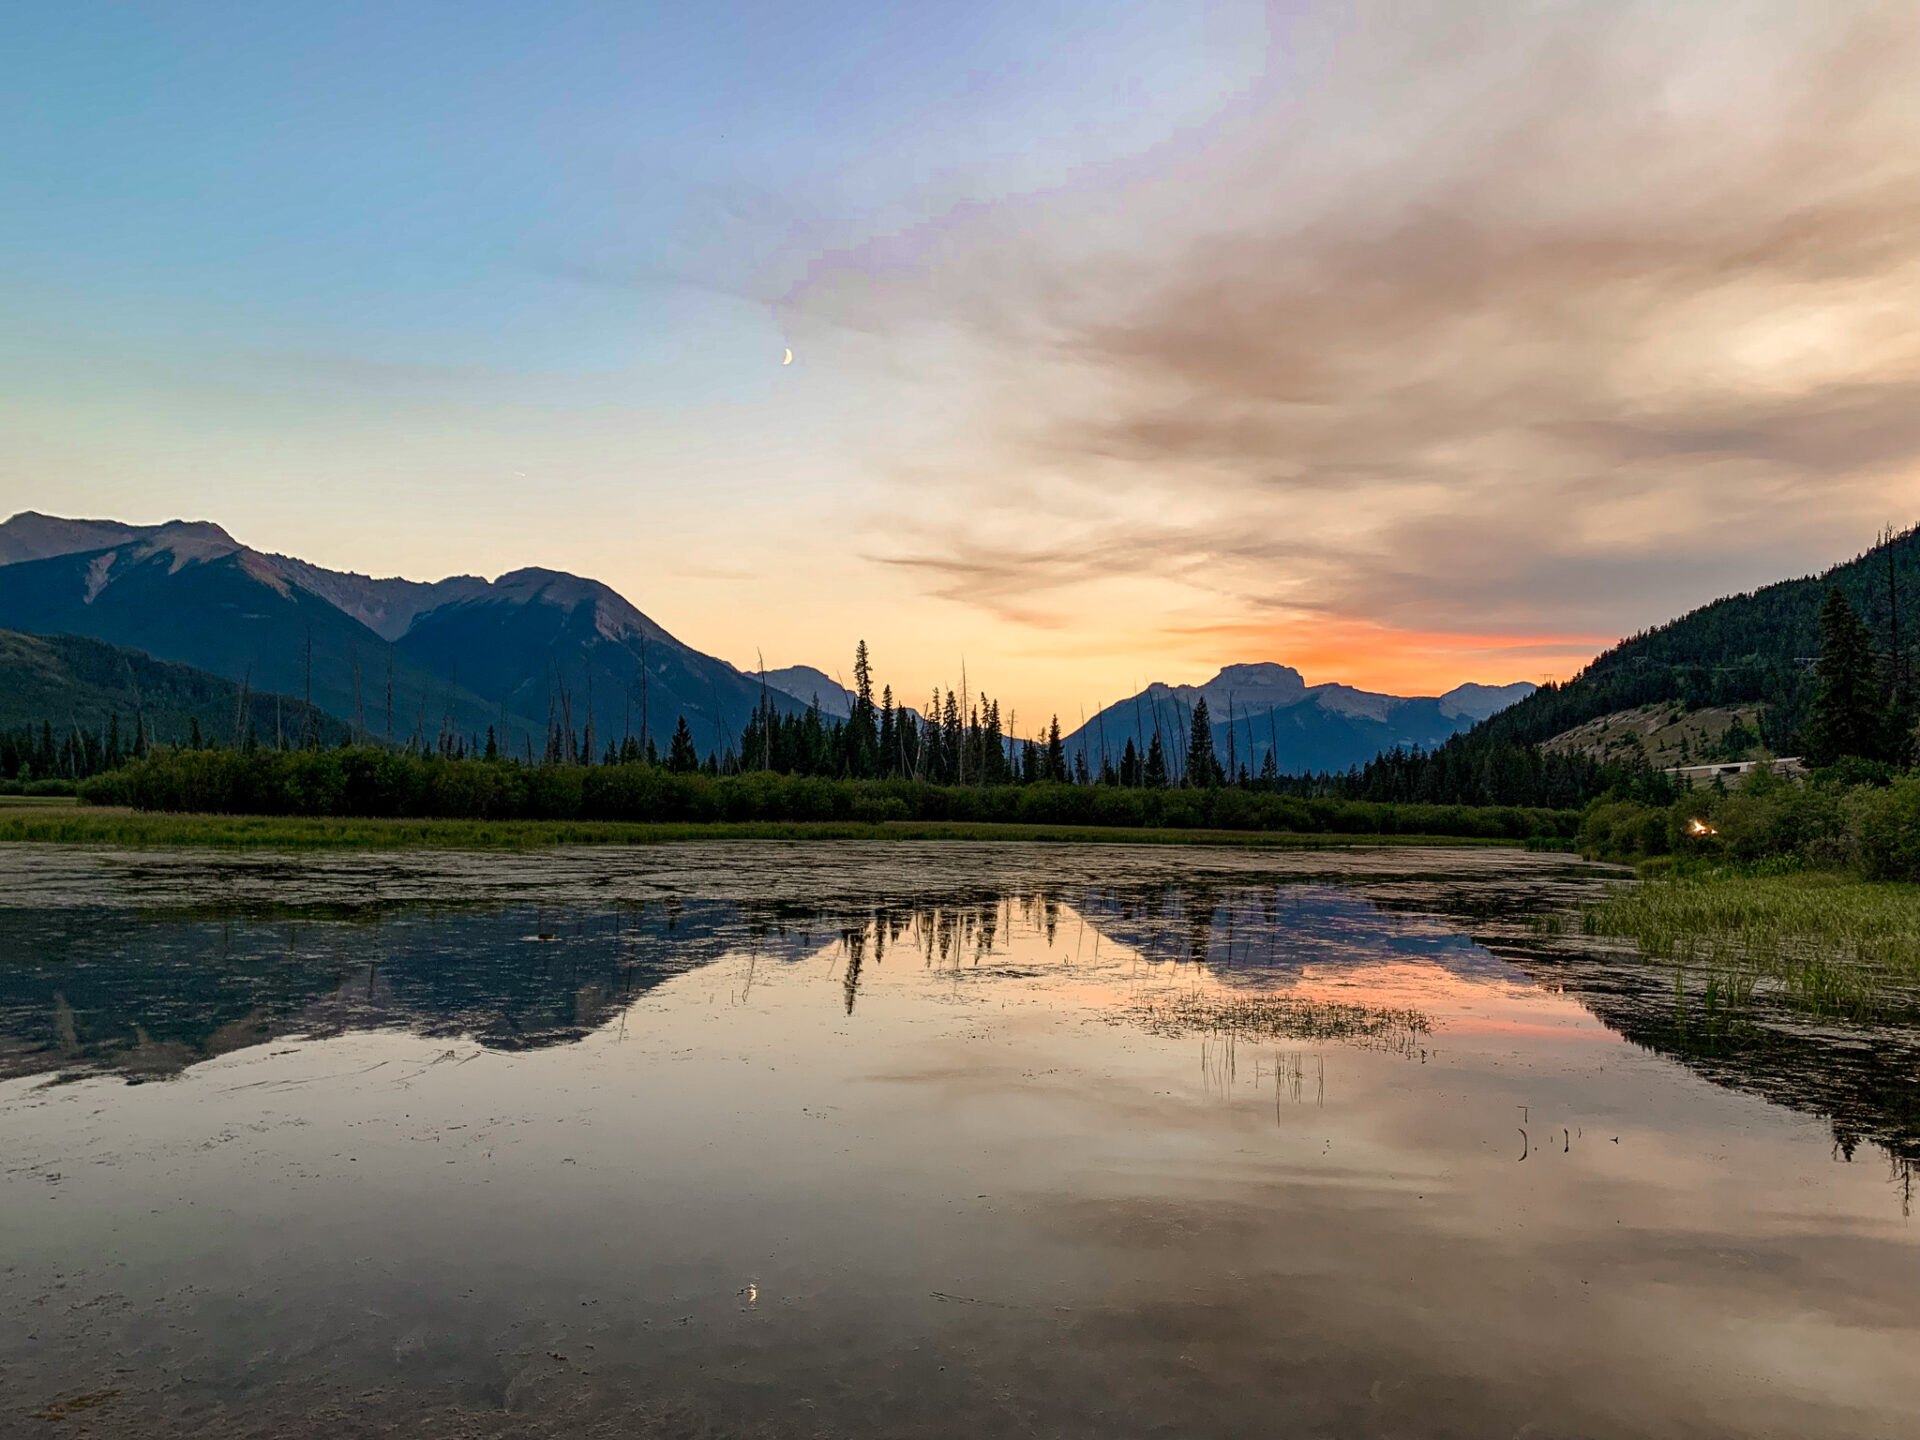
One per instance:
(1408,344)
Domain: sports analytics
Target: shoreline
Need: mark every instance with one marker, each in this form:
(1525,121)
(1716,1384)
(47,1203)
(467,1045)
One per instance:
(70,825)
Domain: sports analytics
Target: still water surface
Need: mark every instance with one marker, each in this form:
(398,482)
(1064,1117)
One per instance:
(918,1141)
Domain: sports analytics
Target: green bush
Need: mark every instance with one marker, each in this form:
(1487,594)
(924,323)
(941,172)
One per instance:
(1872,826)
(373,783)
(1888,828)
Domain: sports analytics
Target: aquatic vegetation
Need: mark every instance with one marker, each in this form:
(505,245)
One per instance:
(1825,943)
(1253,1018)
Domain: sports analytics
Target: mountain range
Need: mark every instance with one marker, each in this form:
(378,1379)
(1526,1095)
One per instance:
(415,660)
(1309,728)
(398,658)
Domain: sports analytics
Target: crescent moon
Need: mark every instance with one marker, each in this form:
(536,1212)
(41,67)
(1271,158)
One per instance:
(787,359)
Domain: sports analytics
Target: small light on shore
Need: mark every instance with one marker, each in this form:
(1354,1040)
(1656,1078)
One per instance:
(1700,827)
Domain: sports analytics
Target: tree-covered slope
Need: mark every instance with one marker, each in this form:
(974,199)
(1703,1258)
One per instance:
(1756,647)
(71,682)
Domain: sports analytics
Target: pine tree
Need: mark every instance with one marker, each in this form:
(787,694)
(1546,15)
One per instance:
(1849,716)
(493,745)
(889,734)
(1203,767)
(682,758)
(1129,764)
(862,739)
(1156,770)
(1056,763)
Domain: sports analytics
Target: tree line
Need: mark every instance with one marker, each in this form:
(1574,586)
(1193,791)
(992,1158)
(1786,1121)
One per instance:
(75,753)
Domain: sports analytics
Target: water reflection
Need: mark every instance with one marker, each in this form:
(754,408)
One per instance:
(769,1140)
(1862,1078)
(147,992)
(149,995)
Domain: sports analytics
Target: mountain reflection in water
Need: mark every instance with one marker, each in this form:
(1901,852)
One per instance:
(922,1141)
(147,992)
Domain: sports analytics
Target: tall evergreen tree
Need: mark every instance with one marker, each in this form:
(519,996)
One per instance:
(1155,774)
(682,758)
(1056,762)
(1849,712)
(1203,767)
(889,734)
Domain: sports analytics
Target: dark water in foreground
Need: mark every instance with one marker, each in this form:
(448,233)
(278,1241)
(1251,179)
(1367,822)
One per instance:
(905,1141)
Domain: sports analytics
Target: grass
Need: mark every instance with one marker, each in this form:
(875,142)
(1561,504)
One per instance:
(142,829)
(1255,1018)
(36,801)
(1826,943)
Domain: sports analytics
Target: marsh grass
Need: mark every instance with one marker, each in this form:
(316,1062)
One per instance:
(1259,1018)
(143,829)
(1826,944)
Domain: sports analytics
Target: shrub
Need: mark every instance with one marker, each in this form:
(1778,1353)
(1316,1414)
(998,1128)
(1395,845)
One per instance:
(373,783)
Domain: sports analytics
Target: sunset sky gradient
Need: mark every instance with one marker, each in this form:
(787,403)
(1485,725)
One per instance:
(1404,344)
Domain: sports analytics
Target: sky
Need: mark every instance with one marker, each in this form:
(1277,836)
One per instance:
(1405,344)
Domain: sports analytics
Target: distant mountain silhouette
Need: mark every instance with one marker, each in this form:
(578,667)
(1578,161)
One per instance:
(527,634)
(806,684)
(191,594)
(464,653)
(1309,728)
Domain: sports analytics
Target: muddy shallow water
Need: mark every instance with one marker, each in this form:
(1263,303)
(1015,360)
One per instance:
(933,1140)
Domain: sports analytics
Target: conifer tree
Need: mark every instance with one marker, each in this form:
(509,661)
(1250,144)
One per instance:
(889,734)
(1155,774)
(862,730)
(493,745)
(1203,768)
(682,758)
(1848,716)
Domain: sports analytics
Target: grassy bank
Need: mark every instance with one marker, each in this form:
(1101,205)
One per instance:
(1827,943)
(91,826)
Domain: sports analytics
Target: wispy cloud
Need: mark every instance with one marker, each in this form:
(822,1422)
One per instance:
(1521,320)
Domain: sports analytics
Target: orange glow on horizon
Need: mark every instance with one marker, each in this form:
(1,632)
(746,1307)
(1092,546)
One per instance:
(1376,657)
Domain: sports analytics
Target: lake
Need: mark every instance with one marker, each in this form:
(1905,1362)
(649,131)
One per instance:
(921,1140)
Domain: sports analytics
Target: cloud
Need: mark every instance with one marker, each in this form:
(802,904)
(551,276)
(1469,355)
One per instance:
(1510,319)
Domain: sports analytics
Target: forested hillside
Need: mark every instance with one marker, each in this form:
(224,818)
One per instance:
(1754,647)
(70,706)
(1758,647)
